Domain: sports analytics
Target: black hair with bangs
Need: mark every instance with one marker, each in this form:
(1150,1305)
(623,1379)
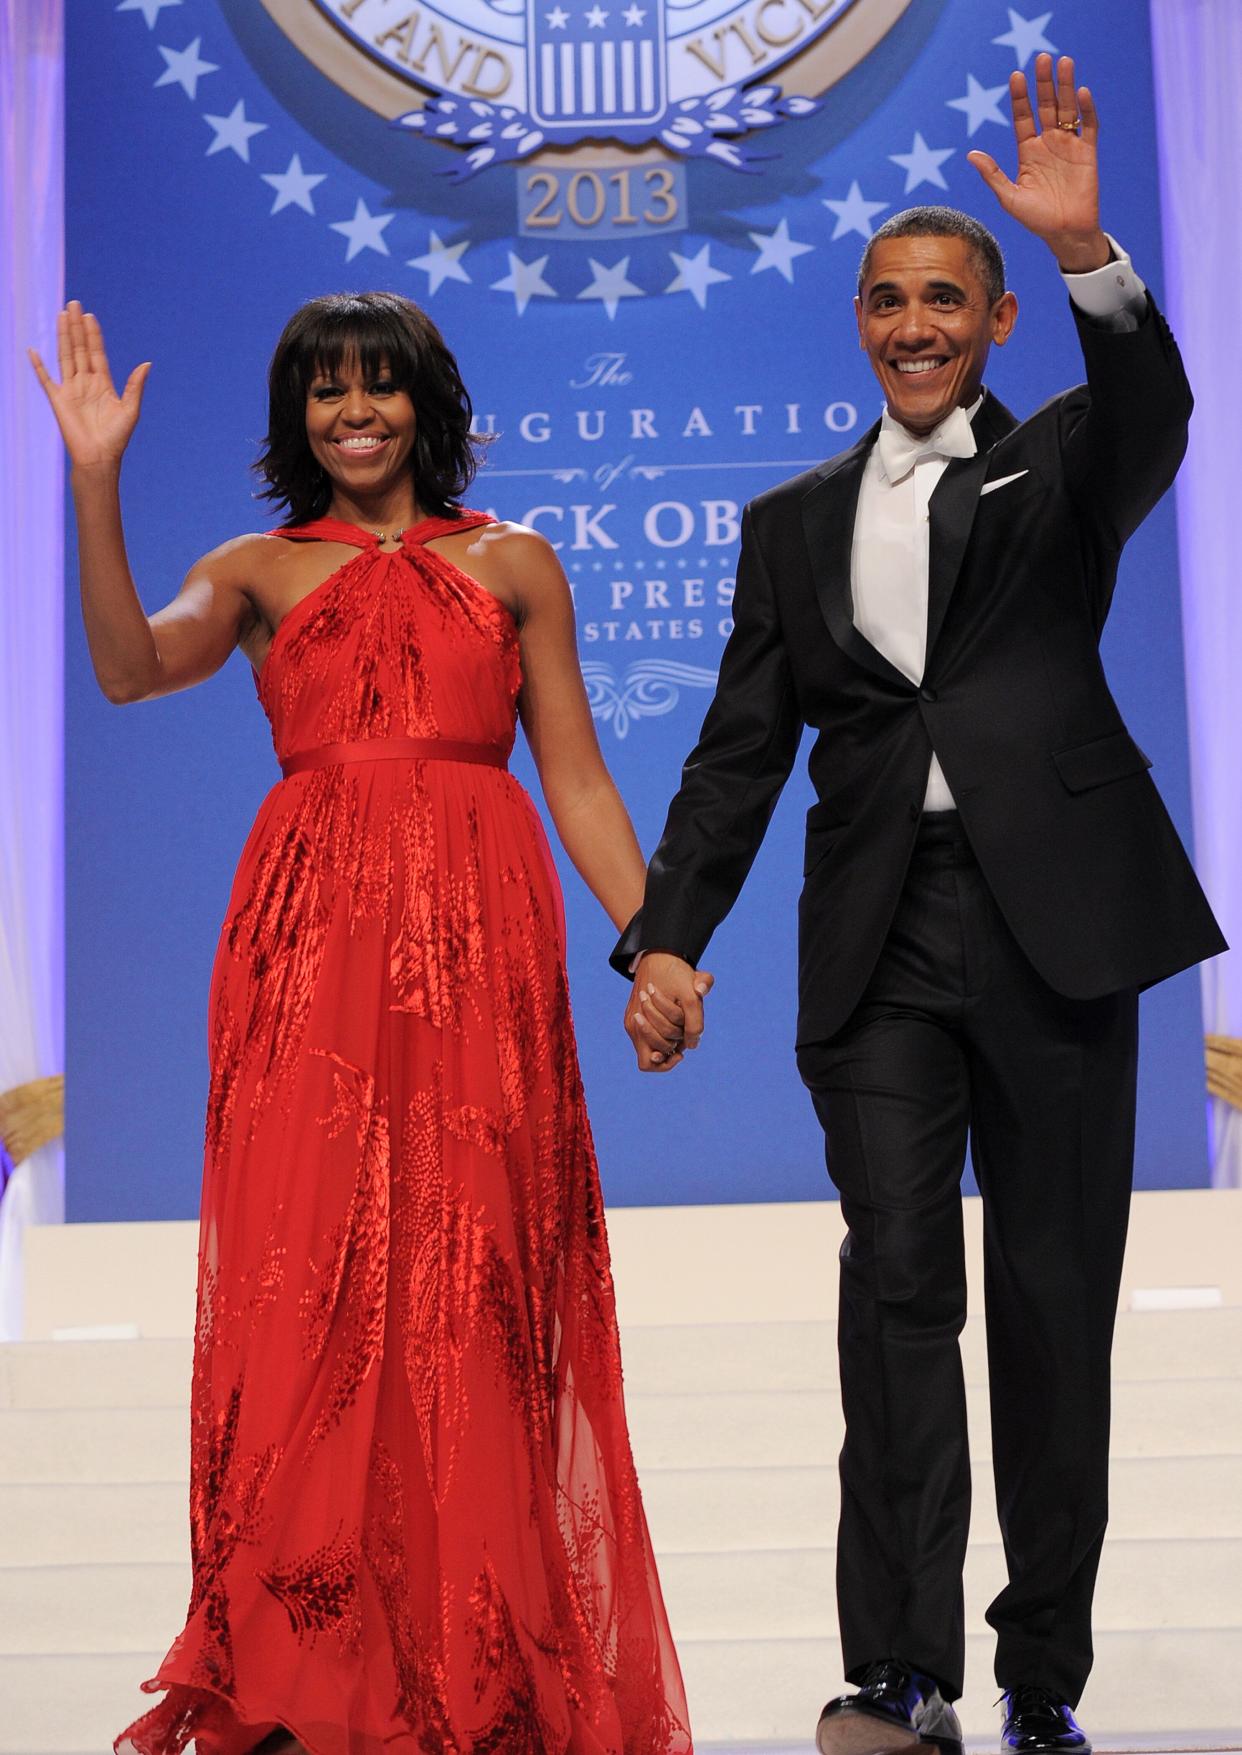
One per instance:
(383,331)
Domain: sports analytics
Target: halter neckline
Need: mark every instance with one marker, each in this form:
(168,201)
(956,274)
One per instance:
(357,536)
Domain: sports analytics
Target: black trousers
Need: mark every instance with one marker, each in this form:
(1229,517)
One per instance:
(957,1035)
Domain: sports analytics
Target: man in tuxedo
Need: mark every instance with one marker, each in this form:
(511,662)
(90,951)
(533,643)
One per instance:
(990,879)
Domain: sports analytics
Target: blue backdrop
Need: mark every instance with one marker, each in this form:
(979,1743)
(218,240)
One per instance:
(646,271)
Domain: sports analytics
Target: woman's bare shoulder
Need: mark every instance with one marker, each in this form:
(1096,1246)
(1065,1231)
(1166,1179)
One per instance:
(521,551)
(524,568)
(240,559)
(505,533)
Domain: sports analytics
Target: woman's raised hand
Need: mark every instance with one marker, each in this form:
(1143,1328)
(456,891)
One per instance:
(94,421)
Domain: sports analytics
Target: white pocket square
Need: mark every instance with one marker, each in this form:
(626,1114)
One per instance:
(1001,481)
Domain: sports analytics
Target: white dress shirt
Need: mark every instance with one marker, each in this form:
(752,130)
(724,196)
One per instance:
(889,557)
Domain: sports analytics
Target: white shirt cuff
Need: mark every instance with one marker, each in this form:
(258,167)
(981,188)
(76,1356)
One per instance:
(1113,295)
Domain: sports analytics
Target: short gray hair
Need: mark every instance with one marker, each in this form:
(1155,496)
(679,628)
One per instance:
(942,222)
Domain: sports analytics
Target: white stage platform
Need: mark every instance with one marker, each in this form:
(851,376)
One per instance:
(731,1386)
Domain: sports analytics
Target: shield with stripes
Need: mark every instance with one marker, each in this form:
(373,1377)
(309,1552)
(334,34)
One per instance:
(595,65)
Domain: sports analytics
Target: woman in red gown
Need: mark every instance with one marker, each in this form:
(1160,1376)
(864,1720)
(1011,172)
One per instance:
(415,1519)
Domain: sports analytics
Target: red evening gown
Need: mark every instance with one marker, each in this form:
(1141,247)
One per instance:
(415,1520)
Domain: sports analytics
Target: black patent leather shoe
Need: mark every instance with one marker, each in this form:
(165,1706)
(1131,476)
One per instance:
(1037,1723)
(896,1711)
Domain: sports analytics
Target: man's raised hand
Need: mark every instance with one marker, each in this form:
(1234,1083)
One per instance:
(1056,194)
(94,421)
(664,1012)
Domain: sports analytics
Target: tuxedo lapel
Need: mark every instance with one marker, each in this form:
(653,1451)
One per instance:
(951,511)
(828,513)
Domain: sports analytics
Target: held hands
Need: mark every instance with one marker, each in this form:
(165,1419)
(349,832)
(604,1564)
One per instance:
(664,1013)
(94,421)
(1057,191)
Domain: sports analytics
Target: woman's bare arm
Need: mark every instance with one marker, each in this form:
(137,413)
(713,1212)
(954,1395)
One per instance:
(591,821)
(135,656)
(590,818)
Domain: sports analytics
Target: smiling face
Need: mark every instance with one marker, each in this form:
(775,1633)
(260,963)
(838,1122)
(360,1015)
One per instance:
(360,429)
(926,324)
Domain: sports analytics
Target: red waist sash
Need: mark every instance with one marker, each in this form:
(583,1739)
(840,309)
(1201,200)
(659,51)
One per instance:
(394,749)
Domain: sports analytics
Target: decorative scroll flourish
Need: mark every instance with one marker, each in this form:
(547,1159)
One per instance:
(498,133)
(651,687)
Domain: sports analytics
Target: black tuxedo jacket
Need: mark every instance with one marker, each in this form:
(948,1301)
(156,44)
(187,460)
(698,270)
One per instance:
(1053,793)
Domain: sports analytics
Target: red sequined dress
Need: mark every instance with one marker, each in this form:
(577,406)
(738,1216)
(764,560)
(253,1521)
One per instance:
(415,1520)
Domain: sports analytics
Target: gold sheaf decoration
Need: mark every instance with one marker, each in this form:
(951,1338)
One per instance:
(1224,1068)
(31,1115)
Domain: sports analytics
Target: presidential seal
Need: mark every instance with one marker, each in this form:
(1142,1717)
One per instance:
(550,80)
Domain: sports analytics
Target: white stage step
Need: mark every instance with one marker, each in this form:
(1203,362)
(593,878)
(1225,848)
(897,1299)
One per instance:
(131,1607)
(92,1523)
(755,1429)
(771,1691)
(93,1574)
(736,1427)
(95,1374)
(697,1511)
(689,1510)
(1195,1497)
(702,1358)
(755,1690)
(721,1357)
(1201,1417)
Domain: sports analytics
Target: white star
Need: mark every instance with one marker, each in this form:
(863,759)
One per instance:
(525,281)
(293,187)
(922,164)
(185,67)
(558,18)
(981,104)
(633,15)
(150,9)
(611,284)
(596,17)
(695,274)
(233,132)
(1025,36)
(442,262)
(854,213)
(365,230)
(778,250)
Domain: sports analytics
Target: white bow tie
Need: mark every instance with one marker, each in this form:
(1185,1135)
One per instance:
(900,450)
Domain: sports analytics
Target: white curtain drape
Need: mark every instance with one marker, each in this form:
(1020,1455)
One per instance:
(32,987)
(1197,53)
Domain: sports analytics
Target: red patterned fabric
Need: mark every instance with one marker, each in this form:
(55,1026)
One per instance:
(415,1520)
